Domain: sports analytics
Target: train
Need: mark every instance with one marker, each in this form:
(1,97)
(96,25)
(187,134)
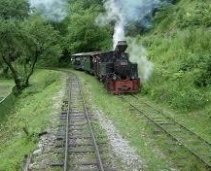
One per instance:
(113,68)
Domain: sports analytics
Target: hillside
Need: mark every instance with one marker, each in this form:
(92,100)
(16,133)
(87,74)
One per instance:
(179,46)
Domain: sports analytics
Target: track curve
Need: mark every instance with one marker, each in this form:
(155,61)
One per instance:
(80,139)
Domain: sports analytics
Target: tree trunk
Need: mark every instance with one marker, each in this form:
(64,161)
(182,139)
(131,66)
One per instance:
(37,53)
(15,75)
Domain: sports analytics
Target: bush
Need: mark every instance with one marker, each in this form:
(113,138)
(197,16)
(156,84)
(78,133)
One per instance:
(204,80)
(188,99)
(200,66)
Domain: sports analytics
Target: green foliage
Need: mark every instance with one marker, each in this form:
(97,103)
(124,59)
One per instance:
(204,78)
(24,40)
(86,4)
(179,46)
(11,45)
(42,44)
(32,113)
(188,98)
(11,38)
(38,87)
(201,67)
(186,13)
(14,9)
(79,31)
(83,33)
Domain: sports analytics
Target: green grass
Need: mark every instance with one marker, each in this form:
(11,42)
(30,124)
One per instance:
(32,112)
(132,126)
(156,151)
(6,87)
(179,46)
(6,92)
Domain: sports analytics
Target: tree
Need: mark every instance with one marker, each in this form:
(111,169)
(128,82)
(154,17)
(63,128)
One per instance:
(41,39)
(11,36)
(83,34)
(4,69)
(24,39)
(14,9)
(11,46)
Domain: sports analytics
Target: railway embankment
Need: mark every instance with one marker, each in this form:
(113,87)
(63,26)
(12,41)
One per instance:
(31,115)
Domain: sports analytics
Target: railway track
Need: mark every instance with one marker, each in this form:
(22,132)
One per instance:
(76,135)
(182,136)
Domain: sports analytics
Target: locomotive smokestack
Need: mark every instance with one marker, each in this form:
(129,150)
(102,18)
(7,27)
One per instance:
(121,46)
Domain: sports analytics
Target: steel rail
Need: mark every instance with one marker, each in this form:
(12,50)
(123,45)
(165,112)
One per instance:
(66,158)
(172,136)
(97,153)
(66,163)
(100,164)
(170,118)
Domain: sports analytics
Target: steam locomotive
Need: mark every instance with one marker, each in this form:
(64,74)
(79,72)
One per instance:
(113,68)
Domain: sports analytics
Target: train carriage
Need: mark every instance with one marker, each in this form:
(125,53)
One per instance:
(83,61)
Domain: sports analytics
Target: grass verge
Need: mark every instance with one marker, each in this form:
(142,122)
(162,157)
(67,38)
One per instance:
(132,126)
(30,116)
(158,153)
(5,87)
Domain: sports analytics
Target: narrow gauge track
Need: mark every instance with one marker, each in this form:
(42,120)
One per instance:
(81,148)
(76,136)
(192,142)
